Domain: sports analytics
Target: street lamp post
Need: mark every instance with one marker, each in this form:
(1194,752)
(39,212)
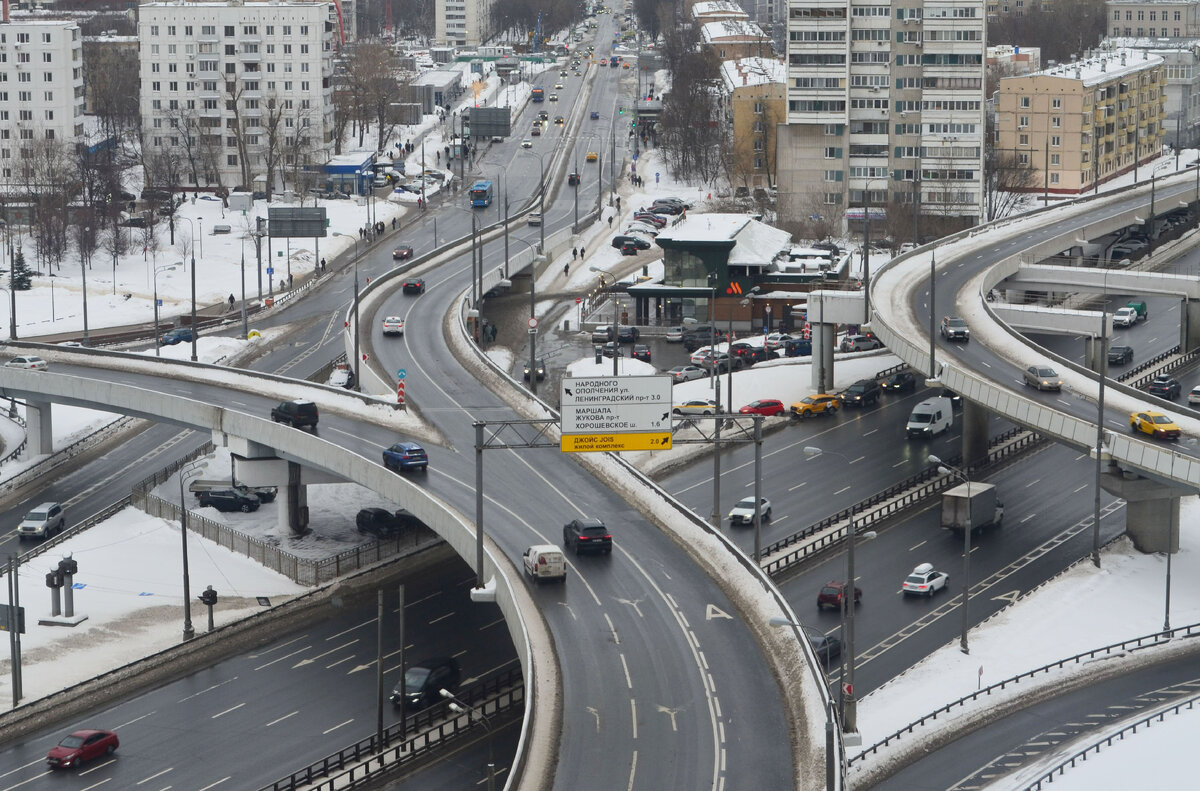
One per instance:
(185,471)
(356,325)
(946,469)
(157,271)
(541,198)
(192,251)
(848,701)
(459,707)
(729,345)
(831,762)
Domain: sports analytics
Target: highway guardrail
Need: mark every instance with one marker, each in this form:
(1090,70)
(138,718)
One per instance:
(1145,641)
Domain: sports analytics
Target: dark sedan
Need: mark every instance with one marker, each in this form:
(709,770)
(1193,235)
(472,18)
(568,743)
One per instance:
(903,382)
(413,285)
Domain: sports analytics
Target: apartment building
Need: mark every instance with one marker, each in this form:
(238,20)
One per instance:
(231,90)
(885,109)
(1154,18)
(756,104)
(1182,61)
(462,23)
(1083,123)
(41,90)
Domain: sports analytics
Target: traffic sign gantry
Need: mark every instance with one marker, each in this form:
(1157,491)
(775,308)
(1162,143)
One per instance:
(615,413)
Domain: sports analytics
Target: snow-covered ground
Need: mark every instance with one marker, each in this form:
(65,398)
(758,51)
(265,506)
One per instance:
(1083,609)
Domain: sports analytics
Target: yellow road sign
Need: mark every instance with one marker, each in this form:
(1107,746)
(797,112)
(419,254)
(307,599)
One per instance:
(588,443)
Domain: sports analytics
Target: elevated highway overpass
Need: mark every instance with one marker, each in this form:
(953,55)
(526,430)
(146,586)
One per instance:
(987,372)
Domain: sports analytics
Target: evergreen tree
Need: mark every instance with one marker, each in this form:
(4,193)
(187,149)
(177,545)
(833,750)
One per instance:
(22,277)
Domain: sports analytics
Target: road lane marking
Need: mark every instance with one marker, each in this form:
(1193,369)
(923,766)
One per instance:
(223,713)
(917,546)
(278,720)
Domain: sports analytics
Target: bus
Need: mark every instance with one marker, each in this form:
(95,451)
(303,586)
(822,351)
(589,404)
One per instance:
(538,94)
(481,194)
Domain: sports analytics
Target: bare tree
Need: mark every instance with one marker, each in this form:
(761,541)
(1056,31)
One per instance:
(184,137)
(236,127)
(49,180)
(107,75)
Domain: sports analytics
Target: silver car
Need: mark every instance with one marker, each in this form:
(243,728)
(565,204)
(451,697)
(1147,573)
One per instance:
(1043,377)
(43,521)
(686,373)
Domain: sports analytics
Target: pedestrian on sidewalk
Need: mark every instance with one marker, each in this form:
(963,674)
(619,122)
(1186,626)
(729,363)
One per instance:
(231,300)
(574,253)
(322,266)
(566,269)
(581,253)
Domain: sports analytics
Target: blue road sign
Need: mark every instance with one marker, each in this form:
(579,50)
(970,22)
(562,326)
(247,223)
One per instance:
(401,373)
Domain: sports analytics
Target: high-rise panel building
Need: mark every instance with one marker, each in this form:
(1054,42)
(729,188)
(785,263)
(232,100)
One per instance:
(885,108)
(41,90)
(231,90)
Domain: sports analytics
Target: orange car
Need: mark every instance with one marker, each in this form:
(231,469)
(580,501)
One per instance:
(818,404)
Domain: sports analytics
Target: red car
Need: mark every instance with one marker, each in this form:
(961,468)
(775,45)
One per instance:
(402,252)
(831,595)
(80,747)
(764,406)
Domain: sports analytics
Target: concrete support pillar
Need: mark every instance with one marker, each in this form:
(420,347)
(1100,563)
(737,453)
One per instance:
(1151,509)
(1095,354)
(974,433)
(1189,325)
(39,429)
(824,340)
(293,503)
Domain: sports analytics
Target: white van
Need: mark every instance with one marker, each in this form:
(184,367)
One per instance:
(545,562)
(930,417)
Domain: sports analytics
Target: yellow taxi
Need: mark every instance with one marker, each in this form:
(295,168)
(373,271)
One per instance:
(817,404)
(1156,424)
(592,156)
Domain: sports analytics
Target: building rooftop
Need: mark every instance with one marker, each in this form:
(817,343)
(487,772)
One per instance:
(754,243)
(718,7)
(752,71)
(712,31)
(1100,67)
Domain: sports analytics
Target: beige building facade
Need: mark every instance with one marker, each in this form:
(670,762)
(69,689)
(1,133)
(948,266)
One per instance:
(756,105)
(1081,124)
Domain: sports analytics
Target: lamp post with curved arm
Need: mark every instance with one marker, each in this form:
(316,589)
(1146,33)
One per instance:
(188,470)
(946,469)
(541,196)
(616,332)
(356,325)
(848,603)
(459,707)
(157,271)
(192,250)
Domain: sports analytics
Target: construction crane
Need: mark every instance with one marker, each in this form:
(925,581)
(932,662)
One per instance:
(537,34)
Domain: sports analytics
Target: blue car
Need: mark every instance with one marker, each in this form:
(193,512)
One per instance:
(797,347)
(406,456)
(177,335)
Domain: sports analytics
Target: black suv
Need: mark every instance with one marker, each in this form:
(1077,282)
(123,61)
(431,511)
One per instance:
(1120,355)
(382,523)
(702,335)
(296,413)
(539,371)
(423,682)
(587,535)
(1165,387)
(861,393)
(228,500)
